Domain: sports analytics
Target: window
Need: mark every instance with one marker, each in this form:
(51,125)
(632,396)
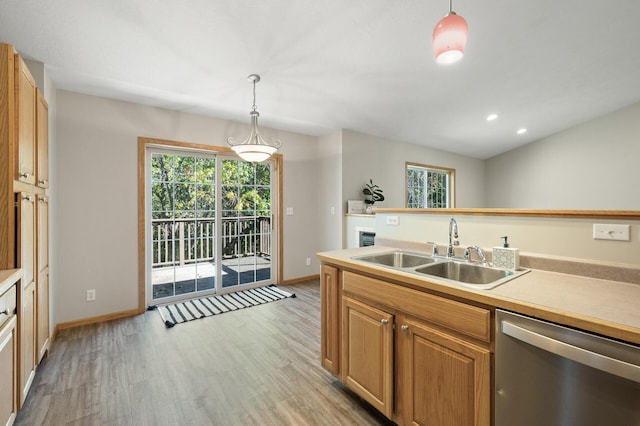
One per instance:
(430,186)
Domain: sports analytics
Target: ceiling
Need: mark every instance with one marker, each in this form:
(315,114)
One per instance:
(364,65)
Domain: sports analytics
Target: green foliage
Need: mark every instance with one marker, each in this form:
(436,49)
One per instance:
(185,187)
(426,188)
(372,192)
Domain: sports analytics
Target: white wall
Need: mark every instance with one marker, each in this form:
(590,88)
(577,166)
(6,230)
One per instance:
(383,160)
(593,166)
(95,221)
(329,192)
(565,237)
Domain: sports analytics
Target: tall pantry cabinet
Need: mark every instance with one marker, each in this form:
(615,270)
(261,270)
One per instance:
(24,179)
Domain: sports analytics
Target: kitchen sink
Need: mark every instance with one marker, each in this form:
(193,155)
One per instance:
(469,274)
(465,272)
(452,270)
(398,259)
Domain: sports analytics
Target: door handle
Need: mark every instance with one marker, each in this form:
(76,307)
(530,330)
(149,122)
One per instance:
(575,353)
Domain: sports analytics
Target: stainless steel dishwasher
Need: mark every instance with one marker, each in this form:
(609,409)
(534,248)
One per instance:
(551,375)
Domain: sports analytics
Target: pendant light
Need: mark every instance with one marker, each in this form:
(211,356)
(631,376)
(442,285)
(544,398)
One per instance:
(254,148)
(450,37)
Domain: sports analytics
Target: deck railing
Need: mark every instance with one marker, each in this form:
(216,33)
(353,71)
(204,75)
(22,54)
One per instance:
(184,241)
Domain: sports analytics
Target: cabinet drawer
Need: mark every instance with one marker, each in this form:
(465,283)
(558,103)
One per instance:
(466,319)
(7,305)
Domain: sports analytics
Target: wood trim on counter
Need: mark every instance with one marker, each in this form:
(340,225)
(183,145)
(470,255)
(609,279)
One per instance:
(580,214)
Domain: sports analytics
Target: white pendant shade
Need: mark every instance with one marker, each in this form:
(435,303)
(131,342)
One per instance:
(254,148)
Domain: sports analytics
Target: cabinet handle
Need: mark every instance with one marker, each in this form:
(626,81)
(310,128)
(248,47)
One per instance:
(27,198)
(384,321)
(405,327)
(24,175)
(43,199)
(43,182)
(5,312)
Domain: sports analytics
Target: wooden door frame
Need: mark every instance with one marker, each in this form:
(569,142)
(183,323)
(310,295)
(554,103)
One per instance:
(143,143)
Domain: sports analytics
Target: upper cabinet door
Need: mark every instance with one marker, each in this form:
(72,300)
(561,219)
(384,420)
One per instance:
(26,112)
(42,141)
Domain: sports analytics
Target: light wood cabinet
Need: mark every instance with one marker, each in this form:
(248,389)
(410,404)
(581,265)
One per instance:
(24,178)
(26,125)
(27,301)
(26,202)
(26,325)
(8,367)
(8,347)
(42,141)
(442,379)
(417,357)
(330,302)
(8,157)
(42,289)
(367,353)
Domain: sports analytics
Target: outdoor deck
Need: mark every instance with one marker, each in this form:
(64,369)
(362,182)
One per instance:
(184,253)
(200,276)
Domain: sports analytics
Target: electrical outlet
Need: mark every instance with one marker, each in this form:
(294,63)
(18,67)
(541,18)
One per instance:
(91,295)
(611,232)
(308,261)
(392,220)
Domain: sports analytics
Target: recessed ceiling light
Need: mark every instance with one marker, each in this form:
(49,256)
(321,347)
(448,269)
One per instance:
(492,117)
(521,131)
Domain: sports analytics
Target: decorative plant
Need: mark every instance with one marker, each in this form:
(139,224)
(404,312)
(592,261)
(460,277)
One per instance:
(372,193)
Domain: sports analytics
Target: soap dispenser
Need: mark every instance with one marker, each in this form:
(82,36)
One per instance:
(506,257)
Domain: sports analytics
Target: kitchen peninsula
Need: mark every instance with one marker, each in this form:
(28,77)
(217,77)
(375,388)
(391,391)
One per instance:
(411,321)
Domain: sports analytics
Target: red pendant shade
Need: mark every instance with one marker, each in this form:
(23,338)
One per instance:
(449,38)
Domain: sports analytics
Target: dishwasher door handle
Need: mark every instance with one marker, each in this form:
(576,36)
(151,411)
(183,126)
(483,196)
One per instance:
(575,353)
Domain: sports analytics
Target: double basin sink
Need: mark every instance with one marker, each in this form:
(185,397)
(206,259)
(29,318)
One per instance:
(459,271)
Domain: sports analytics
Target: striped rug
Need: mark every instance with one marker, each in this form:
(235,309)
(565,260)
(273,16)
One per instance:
(176,313)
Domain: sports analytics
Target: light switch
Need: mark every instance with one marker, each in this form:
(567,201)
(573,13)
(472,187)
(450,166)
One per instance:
(392,220)
(611,232)
(289,211)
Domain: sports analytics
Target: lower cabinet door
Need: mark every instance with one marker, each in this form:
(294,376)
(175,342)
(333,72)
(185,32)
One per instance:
(330,318)
(8,367)
(42,315)
(367,353)
(443,379)
(27,340)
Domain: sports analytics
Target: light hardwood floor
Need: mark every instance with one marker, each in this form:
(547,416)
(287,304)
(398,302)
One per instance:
(257,366)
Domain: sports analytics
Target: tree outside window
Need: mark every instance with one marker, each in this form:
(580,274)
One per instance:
(429,186)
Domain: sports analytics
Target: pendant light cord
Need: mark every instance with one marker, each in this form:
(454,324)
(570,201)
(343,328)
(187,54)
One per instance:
(254,96)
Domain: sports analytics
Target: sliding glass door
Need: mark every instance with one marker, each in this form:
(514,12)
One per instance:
(246,222)
(209,224)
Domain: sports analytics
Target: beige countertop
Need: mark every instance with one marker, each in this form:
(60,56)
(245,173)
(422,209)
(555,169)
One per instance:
(8,277)
(611,308)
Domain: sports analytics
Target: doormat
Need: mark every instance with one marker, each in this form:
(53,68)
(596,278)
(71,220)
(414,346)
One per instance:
(176,313)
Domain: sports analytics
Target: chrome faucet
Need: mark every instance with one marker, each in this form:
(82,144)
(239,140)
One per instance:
(453,237)
(467,254)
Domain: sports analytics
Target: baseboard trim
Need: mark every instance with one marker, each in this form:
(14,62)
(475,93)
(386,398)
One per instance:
(93,320)
(300,279)
(134,312)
